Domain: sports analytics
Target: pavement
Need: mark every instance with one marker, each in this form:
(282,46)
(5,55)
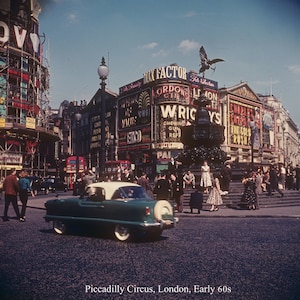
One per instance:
(282,211)
(38,202)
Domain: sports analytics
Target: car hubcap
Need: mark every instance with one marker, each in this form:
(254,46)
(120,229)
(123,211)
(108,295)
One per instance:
(59,227)
(122,233)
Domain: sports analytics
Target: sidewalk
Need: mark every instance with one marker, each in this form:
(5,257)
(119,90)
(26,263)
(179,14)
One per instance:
(265,212)
(279,212)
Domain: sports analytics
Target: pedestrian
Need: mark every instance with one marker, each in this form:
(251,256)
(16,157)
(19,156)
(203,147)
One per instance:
(289,177)
(266,181)
(1,186)
(162,188)
(24,189)
(189,179)
(172,166)
(88,178)
(214,197)
(145,183)
(282,177)
(127,176)
(196,200)
(205,181)
(258,186)
(297,177)
(226,175)
(118,176)
(177,191)
(273,186)
(249,196)
(11,189)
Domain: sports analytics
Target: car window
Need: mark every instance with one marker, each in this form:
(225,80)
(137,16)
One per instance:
(95,194)
(129,193)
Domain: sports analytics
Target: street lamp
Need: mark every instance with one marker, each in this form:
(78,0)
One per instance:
(103,73)
(281,131)
(77,120)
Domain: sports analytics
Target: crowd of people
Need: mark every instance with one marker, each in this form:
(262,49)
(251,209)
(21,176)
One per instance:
(275,180)
(171,184)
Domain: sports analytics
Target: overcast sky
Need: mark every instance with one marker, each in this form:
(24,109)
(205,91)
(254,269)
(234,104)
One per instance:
(258,39)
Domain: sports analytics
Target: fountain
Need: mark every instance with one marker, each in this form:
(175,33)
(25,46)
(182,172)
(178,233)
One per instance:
(202,139)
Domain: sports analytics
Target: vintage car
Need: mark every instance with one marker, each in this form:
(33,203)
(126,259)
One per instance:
(52,184)
(123,207)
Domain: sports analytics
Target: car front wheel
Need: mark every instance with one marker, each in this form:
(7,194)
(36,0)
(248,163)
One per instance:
(59,227)
(122,233)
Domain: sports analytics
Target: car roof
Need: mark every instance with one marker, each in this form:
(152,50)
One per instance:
(111,186)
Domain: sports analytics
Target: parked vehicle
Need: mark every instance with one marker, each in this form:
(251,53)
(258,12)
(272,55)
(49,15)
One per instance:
(122,207)
(35,183)
(52,184)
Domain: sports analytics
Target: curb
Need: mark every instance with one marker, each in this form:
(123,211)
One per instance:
(183,215)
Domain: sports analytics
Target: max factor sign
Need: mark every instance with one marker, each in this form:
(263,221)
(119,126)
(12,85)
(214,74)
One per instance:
(167,72)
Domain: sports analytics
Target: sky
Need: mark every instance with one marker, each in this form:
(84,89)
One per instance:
(259,41)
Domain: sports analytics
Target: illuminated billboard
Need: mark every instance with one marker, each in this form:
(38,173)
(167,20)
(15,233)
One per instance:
(240,117)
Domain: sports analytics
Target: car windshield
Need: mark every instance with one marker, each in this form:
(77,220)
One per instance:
(49,180)
(130,193)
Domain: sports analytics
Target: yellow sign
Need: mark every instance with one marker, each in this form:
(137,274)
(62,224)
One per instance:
(2,122)
(30,123)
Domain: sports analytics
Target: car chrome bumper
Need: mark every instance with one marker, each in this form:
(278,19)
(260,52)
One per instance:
(163,223)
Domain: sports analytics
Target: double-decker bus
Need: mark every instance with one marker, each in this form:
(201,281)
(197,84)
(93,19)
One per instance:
(71,163)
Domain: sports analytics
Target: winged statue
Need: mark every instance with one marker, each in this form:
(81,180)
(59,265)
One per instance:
(205,62)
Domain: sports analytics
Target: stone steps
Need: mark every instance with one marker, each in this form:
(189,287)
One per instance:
(291,197)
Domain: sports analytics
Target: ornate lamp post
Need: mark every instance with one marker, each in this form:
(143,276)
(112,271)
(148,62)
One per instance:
(103,73)
(77,120)
(281,133)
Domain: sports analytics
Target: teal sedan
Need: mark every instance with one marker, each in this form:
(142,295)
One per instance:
(124,207)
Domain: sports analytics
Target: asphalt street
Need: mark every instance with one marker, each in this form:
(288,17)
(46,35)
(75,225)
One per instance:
(227,254)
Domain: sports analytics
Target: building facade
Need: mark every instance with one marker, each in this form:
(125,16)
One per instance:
(25,129)
(152,110)
(143,122)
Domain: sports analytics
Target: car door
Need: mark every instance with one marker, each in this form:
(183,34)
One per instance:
(92,206)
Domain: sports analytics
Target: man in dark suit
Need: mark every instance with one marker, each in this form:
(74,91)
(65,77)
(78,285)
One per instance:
(177,191)
(273,186)
(162,188)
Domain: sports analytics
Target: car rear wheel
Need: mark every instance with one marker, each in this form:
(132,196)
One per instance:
(122,233)
(161,208)
(59,227)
